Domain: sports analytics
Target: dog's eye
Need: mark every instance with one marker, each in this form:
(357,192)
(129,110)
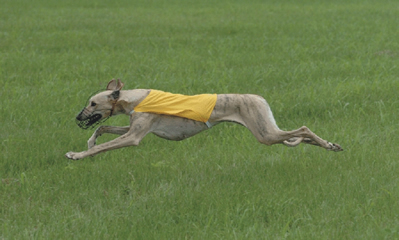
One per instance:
(93,104)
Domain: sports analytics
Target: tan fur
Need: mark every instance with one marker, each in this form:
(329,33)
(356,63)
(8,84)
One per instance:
(249,110)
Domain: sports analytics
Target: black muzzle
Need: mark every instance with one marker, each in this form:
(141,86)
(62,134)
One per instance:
(87,120)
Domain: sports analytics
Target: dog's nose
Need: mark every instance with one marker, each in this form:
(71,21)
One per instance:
(80,115)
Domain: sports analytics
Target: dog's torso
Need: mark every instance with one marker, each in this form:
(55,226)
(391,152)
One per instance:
(215,107)
(219,108)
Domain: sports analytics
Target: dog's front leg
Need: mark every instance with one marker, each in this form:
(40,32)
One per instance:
(122,141)
(105,129)
(139,127)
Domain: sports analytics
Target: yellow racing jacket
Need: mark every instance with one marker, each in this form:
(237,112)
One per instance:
(196,107)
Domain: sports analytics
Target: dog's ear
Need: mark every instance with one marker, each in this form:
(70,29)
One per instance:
(115,85)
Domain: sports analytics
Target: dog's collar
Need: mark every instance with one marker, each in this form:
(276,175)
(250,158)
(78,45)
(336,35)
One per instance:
(113,108)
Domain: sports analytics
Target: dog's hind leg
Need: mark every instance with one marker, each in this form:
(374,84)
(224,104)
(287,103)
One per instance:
(105,129)
(260,121)
(290,138)
(308,137)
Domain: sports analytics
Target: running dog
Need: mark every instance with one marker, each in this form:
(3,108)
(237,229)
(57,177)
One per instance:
(177,117)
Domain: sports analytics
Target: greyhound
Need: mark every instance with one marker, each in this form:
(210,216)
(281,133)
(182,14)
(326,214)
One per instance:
(251,111)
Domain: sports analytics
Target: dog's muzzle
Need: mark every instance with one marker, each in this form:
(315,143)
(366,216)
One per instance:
(86,120)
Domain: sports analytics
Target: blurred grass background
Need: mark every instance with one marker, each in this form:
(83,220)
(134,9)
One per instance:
(329,65)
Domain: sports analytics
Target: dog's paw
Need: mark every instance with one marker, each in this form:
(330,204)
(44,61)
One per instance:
(335,147)
(72,155)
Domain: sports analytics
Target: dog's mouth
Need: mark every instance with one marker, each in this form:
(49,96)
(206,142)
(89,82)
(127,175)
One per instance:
(89,121)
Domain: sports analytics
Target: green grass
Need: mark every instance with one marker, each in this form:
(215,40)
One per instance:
(329,65)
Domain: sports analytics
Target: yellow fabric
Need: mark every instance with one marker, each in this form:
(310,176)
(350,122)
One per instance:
(197,107)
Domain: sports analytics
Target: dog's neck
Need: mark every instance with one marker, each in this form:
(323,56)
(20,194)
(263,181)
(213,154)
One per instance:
(129,99)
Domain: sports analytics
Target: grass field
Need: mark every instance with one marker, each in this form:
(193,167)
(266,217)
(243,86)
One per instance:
(329,65)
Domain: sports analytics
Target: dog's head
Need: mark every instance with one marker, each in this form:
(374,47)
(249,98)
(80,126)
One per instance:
(100,106)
